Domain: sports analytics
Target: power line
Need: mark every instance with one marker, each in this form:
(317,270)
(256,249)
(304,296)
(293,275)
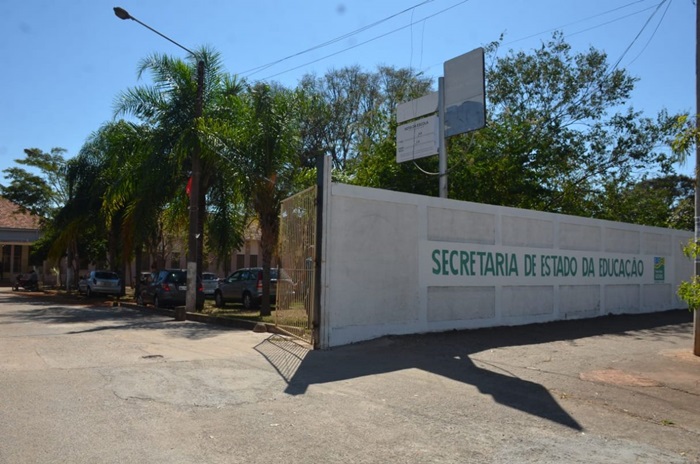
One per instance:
(366,41)
(558,28)
(257,69)
(652,34)
(587,19)
(638,34)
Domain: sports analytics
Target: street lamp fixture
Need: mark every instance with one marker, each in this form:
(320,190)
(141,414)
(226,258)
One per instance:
(195,225)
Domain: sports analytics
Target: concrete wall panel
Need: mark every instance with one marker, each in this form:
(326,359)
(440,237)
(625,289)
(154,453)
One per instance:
(397,263)
(580,237)
(527,232)
(373,268)
(620,299)
(622,240)
(657,244)
(461,303)
(656,297)
(461,226)
(528,301)
(578,301)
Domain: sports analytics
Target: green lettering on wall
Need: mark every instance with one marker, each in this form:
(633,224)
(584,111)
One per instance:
(436,262)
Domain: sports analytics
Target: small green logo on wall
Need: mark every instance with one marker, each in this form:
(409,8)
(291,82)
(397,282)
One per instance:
(659,268)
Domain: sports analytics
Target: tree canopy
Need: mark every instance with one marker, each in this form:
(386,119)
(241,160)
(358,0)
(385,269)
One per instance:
(560,131)
(561,136)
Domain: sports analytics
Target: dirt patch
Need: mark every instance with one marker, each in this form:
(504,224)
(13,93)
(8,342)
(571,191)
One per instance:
(685,355)
(617,377)
(73,298)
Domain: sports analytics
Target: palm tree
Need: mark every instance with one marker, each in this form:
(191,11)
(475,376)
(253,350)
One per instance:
(167,108)
(269,142)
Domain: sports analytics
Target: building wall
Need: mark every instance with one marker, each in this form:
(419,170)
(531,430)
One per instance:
(398,263)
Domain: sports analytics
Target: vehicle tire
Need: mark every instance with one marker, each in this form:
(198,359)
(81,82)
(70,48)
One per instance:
(247,301)
(156,302)
(139,300)
(219,301)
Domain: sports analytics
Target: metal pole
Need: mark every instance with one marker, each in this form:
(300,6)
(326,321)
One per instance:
(194,244)
(321,162)
(442,150)
(696,320)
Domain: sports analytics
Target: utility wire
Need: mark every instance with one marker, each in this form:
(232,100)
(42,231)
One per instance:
(257,69)
(656,5)
(587,19)
(668,5)
(366,41)
(638,34)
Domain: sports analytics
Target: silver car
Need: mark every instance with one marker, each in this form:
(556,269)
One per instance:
(100,282)
(245,286)
(210,282)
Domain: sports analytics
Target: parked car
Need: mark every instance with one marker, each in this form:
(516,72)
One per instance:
(145,277)
(167,289)
(210,282)
(100,282)
(245,286)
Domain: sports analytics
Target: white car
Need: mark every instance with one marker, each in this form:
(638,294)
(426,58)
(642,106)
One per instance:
(100,282)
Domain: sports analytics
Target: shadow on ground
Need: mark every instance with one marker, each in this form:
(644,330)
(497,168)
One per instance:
(448,355)
(101,314)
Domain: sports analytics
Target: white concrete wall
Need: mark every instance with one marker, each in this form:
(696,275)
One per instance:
(398,263)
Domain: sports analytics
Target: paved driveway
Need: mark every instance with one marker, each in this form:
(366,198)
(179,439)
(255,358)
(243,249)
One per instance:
(97,384)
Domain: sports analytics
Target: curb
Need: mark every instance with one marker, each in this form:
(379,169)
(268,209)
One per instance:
(206,319)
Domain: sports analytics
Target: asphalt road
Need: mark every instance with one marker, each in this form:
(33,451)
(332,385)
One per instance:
(99,384)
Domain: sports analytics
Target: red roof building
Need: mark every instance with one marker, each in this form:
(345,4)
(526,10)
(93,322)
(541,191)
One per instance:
(18,231)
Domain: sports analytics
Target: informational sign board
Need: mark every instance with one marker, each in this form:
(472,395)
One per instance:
(417,139)
(465,107)
(416,108)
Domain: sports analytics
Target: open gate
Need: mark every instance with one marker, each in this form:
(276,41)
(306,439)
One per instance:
(295,306)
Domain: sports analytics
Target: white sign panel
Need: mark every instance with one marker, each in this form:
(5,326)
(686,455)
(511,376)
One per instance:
(415,108)
(465,107)
(417,139)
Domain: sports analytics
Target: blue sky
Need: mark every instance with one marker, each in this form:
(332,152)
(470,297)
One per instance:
(64,62)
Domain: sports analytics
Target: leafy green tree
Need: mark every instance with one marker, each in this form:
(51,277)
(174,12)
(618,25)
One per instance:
(267,145)
(167,108)
(78,215)
(41,189)
(662,202)
(554,138)
(560,137)
(351,109)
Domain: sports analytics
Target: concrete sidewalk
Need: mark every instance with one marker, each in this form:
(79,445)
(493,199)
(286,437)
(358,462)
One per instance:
(99,384)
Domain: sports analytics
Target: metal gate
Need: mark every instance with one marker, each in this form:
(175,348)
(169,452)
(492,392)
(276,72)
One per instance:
(295,306)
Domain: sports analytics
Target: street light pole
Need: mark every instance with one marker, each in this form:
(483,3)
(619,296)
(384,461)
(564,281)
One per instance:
(194,244)
(696,316)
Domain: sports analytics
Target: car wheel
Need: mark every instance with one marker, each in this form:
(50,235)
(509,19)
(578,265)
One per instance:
(219,300)
(247,301)
(156,302)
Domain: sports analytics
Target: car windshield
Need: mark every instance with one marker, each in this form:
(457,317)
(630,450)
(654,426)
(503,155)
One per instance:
(106,275)
(209,277)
